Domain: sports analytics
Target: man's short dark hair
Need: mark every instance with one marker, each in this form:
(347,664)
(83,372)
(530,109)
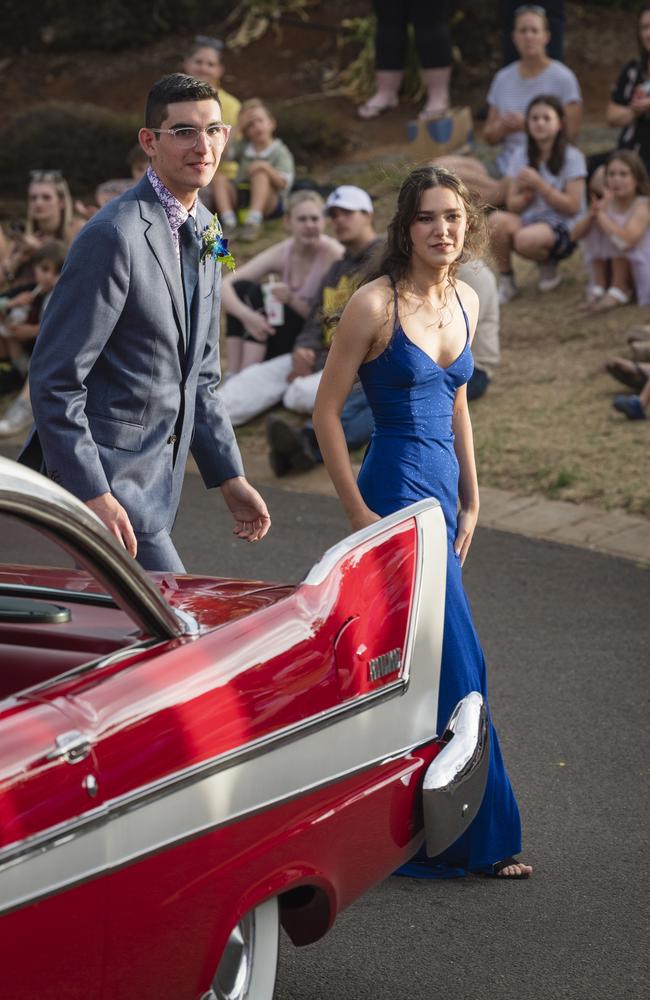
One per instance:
(173,89)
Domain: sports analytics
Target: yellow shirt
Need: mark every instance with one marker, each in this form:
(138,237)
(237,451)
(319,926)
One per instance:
(229,110)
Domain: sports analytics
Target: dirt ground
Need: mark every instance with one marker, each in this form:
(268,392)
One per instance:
(546,424)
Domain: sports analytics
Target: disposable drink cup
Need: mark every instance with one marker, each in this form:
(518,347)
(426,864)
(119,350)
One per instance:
(273,308)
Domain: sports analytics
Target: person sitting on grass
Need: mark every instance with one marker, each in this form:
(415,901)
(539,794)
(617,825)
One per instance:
(21,331)
(299,263)
(546,193)
(292,379)
(510,93)
(265,170)
(616,231)
(635,407)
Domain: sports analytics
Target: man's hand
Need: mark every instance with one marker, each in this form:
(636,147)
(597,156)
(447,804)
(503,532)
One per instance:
(251,516)
(116,519)
(303,359)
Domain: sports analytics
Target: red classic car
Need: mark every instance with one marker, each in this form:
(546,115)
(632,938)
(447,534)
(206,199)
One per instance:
(187,763)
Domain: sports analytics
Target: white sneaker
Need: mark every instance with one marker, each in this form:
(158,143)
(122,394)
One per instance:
(228,223)
(18,418)
(507,289)
(548,276)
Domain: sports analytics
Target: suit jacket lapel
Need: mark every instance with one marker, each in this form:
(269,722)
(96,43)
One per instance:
(204,301)
(158,236)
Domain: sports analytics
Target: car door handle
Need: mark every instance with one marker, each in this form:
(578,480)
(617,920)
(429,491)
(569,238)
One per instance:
(73,746)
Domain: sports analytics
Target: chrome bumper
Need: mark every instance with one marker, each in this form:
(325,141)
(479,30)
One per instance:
(454,782)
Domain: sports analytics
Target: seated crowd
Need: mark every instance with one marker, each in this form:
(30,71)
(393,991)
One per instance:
(280,306)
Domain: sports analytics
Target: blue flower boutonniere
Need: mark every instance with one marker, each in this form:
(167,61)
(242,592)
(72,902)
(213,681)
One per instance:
(213,244)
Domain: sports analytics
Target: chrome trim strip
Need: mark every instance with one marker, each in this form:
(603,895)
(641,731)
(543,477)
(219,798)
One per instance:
(328,561)
(12,853)
(32,497)
(343,741)
(192,628)
(454,783)
(58,594)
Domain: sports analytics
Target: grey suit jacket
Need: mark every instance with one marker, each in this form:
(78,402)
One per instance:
(120,388)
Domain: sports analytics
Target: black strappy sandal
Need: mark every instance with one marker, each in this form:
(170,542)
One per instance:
(498,866)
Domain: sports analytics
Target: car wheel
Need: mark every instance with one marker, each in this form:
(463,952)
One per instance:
(249,963)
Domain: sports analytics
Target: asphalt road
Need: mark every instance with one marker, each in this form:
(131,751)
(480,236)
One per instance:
(566,636)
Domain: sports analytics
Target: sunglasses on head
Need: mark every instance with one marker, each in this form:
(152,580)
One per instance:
(45,175)
(529,8)
(207,41)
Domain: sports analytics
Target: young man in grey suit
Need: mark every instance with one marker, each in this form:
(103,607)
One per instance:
(125,371)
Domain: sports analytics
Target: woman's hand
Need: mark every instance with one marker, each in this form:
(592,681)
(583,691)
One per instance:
(22,299)
(363,518)
(258,326)
(32,243)
(281,291)
(465,532)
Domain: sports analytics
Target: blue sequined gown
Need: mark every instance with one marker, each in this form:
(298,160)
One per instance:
(410,457)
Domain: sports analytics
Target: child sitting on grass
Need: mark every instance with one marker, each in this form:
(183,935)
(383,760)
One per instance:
(21,327)
(616,233)
(546,193)
(265,166)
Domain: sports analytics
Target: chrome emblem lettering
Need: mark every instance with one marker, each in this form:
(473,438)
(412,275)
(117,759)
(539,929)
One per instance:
(387,663)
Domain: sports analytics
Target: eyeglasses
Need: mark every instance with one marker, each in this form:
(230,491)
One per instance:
(45,175)
(186,136)
(530,8)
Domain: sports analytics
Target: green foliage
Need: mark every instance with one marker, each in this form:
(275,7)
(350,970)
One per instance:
(254,17)
(102,24)
(310,134)
(87,143)
(357,80)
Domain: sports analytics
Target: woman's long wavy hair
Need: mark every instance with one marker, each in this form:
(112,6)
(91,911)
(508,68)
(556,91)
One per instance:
(558,149)
(394,257)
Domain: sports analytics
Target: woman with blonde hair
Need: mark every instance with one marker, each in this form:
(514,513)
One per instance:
(298,265)
(49,217)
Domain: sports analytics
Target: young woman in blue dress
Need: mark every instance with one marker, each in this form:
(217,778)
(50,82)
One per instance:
(407,332)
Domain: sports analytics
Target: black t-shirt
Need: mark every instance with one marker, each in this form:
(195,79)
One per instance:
(636,135)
